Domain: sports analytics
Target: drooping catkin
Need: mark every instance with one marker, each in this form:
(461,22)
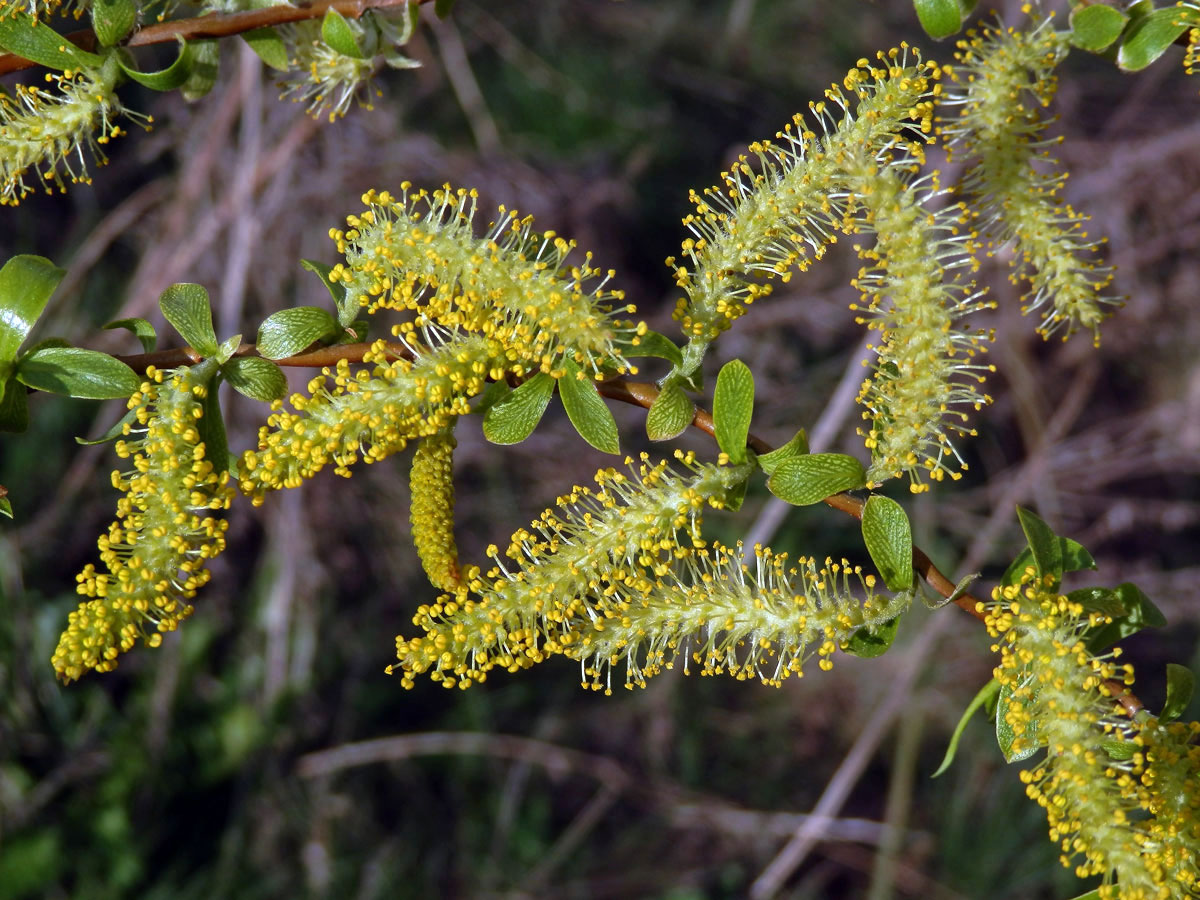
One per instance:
(431,483)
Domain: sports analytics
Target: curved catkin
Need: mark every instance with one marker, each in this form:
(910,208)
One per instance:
(780,210)
(156,551)
(515,285)
(43,135)
(371,414)
(542,591)
(992,114)
(926,374)
(1122,796)
(431,482)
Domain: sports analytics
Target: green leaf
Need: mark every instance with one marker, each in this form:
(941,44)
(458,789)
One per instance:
(1043,544)
(939,18)
(1181,684)
(513,419)
(173,76)
(112,20)
(652,344)
(1099,600)
(733,405)
(14,408)
(5,507)
(212,428)
(269,47)
(871,642)
(187,308)
(1120,750)
(797,446)
(492,394)
(289,331)
(888,537)
(338,34)
(26,283)
(803,480)
(670,414)
(258,379)
(206,60)
(442,7)
(982,698)
(227,349)
(142,329)
(113,433)
(38,42)
(1148,38)
(1140,613)
(1004,732)
(587,410)
(1095,28)
(736,495)
(77,373)
(347,307)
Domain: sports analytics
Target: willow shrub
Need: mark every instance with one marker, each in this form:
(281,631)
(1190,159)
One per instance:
(495,317)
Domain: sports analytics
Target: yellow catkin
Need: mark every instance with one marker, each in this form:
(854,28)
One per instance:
(432,481)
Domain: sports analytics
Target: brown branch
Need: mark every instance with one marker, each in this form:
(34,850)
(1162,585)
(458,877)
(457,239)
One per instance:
(635,393)
(217,25)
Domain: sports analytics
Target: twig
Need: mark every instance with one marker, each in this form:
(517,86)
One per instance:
(217,25)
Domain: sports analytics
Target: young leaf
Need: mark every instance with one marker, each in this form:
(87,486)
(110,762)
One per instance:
(142,329)
(289,331)
(652,344)
(1148,38)
(347,308)
(14,408)
(1181,684)
(1119,750)
(77,373)
(212,428)
(258,379)
(512,419)
(985,695)
(269,47)
(112,20)
(1043,544)
(733,405)
(113,433)
(1098,599)
(6,507)
(888,537)
(36,41)
(587,410)
(1095,28)
(339,35)
(797,446)
(670,414)
(227,348)
(1140,612)
(1005,734)
(173,76)
(206,59)
(803,480)
(939,18)
(26,283)
(869,643)
(187,308)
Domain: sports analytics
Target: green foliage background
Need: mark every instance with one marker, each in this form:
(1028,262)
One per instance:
(182,775)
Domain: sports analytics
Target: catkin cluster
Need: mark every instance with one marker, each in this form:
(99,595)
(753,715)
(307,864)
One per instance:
(621,577)
(156,551)
(1122,797)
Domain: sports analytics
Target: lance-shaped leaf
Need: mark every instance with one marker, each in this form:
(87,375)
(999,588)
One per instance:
(77,372)
(1140,612)
(258,379)
(205,63)
(289,331)
(1006,736)
(113,433)
(141,329)
(1181,685)
(1148,38)
(652,344)
(670,413)
(888,536)
(871,642)
(803,480)
(26,283)
(269,47)
(513,418)
(797,446)
(36,41)
(187,308)
(347,307)
(339,35)
(1043,544)
(173,76)
(587,410)
(984,696)
(733,406)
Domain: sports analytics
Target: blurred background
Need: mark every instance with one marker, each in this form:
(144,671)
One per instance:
(262,752)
